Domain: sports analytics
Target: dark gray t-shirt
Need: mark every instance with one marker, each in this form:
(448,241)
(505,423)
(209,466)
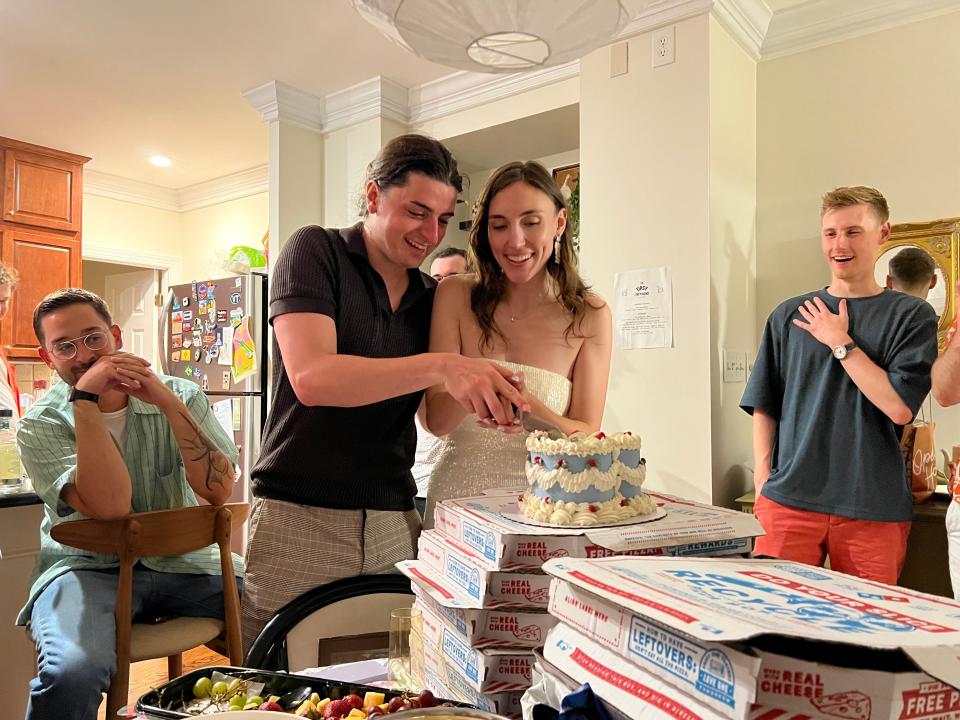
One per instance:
(834,451)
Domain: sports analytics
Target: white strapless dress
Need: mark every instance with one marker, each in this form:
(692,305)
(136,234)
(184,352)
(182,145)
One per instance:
(473,459)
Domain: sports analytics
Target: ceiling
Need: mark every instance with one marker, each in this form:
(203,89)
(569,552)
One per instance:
(121,80)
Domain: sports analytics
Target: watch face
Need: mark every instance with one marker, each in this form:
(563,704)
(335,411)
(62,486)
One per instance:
(840,352)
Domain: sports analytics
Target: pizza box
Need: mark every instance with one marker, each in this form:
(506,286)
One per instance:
(452,596)
(828,644)
(689,530)
(443,680)
(458,567)
(490,627)
(634,692)
(489,670)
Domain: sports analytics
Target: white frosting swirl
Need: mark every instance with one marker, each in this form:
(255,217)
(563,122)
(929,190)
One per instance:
(572,482)
(579,514)
(578,443)
(626,440)
(634,476)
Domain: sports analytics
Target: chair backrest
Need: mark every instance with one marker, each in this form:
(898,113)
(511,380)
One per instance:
(152,534)
(351,606)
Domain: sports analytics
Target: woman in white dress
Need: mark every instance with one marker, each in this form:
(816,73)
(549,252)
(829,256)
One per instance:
(525,308)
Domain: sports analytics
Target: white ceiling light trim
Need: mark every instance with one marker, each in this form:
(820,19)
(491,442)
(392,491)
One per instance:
(502,36)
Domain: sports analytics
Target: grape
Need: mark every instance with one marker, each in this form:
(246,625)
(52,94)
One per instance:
(255,699)
(219,688)
(201,688)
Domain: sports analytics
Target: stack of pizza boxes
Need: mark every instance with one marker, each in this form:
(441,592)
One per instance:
(483,594)
(743,639)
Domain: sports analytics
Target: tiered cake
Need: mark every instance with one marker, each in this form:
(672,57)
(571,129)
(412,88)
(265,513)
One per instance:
(584,480)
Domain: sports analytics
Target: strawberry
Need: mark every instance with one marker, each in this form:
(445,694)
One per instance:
(355,701)
(537,460)
(592,508)
(337,709)
(600,436)
(591,463)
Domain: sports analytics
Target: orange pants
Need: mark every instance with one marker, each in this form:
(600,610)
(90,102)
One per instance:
(865,548)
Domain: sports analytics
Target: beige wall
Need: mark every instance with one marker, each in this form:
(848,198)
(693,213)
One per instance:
(877,110)
(208,233)
(195,238)
(644,146)
(733,193)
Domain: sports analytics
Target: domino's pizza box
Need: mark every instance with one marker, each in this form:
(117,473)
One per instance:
(443,680)
(481,524)
(459,567)
(828,644)
(489,670)
(490,627)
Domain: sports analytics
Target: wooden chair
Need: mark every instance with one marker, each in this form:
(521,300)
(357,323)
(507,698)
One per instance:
(152,534)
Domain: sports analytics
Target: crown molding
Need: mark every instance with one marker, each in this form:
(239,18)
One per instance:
(663,12)
(373,98)
(210,192)
(464,90)
(822,22)
(125,256)
(275,100)
(747,21)
(127,190)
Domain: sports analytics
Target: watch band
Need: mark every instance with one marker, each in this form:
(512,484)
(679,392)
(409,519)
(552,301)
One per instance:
(75,395)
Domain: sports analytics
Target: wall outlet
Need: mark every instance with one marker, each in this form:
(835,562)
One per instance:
(664,41)
(734,366)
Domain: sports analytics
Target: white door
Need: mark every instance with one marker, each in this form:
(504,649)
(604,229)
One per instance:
(130,296)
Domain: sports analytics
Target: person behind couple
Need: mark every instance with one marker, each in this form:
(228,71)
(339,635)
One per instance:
(527,308)
(111,439)
(839,372)
(351,317)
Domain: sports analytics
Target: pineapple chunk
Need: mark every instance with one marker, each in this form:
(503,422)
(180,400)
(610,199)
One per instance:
(357,713)
(323,703)
(372,699)
(308,710)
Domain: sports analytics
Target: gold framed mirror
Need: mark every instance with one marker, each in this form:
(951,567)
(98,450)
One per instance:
(940,240)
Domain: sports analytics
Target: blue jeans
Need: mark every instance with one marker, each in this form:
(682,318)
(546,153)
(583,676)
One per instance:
(74,628)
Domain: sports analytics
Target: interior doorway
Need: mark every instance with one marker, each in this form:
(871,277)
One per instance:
(131,292)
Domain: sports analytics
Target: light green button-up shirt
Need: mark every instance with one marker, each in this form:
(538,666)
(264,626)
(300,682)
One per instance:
(48,448)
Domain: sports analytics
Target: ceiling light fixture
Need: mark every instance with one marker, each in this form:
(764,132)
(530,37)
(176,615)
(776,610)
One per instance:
(161,161)
(502,36)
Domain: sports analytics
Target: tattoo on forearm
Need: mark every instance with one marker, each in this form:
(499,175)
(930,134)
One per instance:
(201,449)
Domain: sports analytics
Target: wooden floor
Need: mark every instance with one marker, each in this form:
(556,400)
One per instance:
(151,673)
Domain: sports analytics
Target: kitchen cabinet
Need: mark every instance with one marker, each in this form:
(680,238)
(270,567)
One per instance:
(40,232)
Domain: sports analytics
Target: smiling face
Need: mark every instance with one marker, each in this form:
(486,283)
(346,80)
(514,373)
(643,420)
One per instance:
(851,239)
(406,222)
(521,226)
(70,323)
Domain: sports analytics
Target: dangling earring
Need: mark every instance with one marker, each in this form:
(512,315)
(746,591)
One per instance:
(556,248)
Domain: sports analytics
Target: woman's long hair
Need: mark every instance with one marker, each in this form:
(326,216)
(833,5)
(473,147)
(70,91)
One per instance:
(566,285)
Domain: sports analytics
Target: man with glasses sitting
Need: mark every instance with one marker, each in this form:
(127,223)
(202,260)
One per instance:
(111,439)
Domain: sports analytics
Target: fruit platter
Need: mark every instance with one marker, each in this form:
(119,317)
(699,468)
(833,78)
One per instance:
(210,691)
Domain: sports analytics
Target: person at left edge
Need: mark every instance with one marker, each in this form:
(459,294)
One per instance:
(111,439)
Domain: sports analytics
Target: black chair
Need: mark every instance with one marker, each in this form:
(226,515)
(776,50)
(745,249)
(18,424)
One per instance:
(348,607)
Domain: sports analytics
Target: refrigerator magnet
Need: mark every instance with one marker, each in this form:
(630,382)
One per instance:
(226,379)
(202,307)
(221,316)
(189,371)
(204,384)
(213,352)
(211,308)
(211,287)
(187,315)
(187,342)
(176,303)
(201,291)
(197,373)
(238,282)
(176,317)
(184,355)
(176,341)
(197,325)
(235,298)
(196,355)
(186,301)
(176,328)
(193,290)
(175,356)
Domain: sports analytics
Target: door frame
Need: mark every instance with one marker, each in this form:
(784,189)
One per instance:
(140,258)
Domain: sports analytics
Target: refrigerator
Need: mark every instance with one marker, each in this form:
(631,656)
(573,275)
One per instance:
(214,332)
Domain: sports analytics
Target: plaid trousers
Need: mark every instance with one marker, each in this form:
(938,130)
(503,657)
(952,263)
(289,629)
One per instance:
(295,548)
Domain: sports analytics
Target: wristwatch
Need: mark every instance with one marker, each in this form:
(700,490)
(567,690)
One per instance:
(841,351)
(75,395)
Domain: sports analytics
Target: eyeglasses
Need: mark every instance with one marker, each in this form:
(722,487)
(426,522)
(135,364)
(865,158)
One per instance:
(67,349)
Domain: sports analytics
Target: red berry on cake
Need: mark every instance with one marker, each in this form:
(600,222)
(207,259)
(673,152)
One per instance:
(560,463)
(643,461)
(547,500)
(600,435)
(592,508)
(537,460)
(623,502)
(591,463)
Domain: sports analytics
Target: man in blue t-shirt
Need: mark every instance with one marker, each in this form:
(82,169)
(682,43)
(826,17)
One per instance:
(839,372)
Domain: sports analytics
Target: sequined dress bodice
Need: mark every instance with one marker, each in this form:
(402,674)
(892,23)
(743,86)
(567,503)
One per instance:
(473,459)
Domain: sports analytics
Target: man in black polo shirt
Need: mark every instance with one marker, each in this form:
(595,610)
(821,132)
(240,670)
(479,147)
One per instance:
(351,319)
